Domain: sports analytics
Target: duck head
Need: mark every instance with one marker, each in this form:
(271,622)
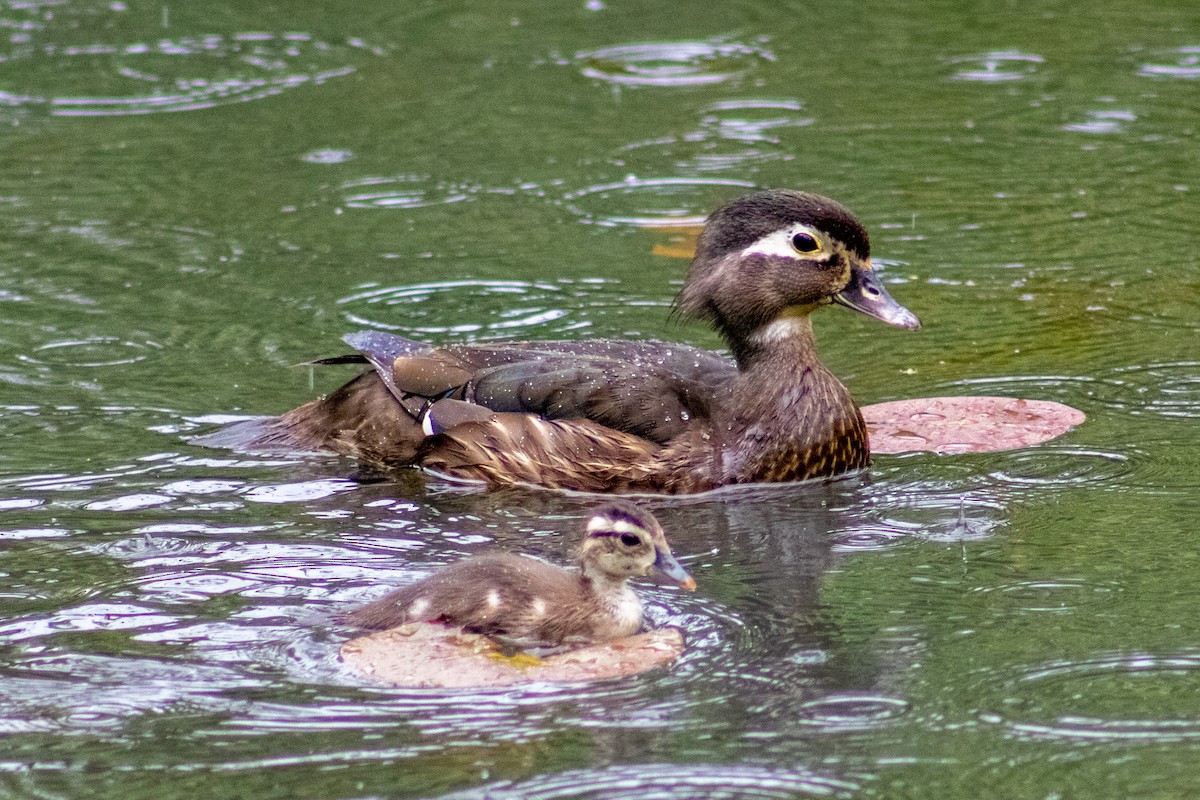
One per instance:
(776,256)
(624,540)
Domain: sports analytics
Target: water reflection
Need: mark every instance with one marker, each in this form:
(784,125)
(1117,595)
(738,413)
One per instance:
(697,153)
(996,67)
(1103,121)
(1186,65)
(297,492)
(15,503)
(98,351)
(167,633)
(328,156)
(128,502)
(732,135)
(404,192)
(754,120)
(248,595)
(249,601)
(166,74)
(671,64)
(74,322)
(843,712)
(1063,465)
(523,309)
(661,781)
(1056,595)
(1081,700)
(1169,390)
(1165,389)
(48,693)
(654,202)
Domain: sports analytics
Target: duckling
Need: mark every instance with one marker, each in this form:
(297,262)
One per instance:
(528,600)
(630,416)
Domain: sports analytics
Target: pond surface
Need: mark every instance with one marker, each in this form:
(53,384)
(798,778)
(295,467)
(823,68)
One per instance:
(195,197)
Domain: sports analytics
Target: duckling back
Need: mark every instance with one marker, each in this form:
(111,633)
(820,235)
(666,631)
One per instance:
(505,594)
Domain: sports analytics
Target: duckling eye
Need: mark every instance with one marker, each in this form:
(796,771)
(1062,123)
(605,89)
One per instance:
(629,540)
(805,243)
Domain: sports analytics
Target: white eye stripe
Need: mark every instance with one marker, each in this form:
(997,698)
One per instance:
(779,244)
(616,526)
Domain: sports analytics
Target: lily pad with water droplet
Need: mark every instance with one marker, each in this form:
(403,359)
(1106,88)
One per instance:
(428,655)
(966,424)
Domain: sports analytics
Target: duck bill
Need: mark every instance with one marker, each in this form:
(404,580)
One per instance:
(865,293)
(668,566)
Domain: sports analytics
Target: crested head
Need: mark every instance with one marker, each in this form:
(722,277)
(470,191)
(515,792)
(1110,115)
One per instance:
(778,255)
(623,540)
(745,220)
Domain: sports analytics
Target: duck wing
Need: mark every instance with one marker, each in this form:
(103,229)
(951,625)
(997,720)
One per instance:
(498,593)
(654,390)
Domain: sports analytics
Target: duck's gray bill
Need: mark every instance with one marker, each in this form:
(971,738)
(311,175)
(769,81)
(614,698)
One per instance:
(667,565)
(865,293)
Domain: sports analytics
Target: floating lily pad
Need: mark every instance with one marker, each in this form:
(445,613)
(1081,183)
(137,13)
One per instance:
(966,424)
(428,655)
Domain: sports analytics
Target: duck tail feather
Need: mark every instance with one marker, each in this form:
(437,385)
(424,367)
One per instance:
(258,435)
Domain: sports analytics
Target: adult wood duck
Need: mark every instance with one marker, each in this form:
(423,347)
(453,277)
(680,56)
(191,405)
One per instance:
(529,600)
(627,416)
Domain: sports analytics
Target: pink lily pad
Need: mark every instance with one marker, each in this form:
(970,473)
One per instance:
(429,655)
(966,424)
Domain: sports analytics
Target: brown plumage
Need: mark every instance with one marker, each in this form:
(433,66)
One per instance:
(620,416)
(526,599)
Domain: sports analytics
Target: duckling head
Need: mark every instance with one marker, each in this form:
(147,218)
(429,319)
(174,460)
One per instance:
(624,540)
(778,255)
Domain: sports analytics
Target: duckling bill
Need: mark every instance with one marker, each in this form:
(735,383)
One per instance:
(630,416)
(526,599)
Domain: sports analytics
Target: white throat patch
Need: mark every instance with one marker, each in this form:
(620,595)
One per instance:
(784,327)
(626,609)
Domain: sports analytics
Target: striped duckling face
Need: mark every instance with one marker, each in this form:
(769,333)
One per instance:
(624,541)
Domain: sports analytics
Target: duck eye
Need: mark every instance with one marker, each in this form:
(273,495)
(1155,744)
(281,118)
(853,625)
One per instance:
(629,540)
(805,243)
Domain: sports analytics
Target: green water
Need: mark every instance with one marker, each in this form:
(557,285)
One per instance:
(195,197)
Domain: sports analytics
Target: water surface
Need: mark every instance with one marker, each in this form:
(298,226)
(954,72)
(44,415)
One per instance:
(193,200)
